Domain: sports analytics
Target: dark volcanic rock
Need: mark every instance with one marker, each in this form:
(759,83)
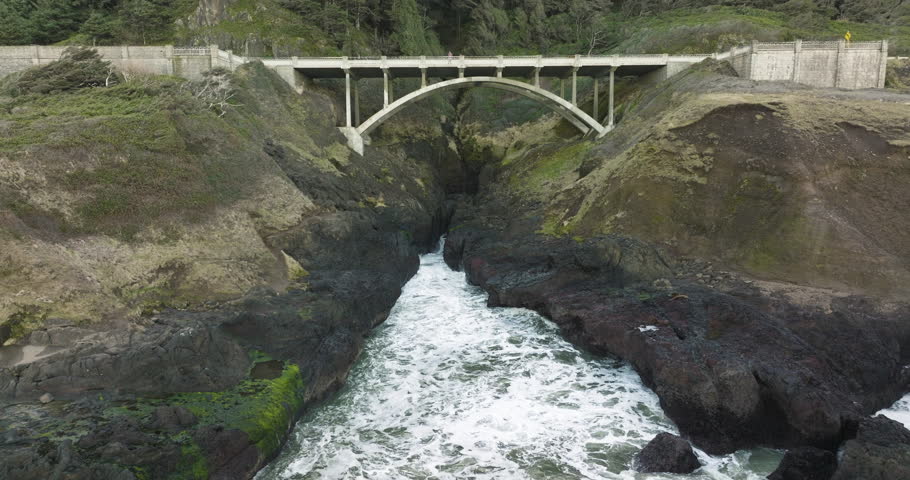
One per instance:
(667,453)
(733,369)
(358,243)
(229,453)
(880,451)
(183,354)
(173,418)
(805,463)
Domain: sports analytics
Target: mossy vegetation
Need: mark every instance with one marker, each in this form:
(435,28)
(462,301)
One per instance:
(263,408)
(539,173)
(192,463)
(25,320)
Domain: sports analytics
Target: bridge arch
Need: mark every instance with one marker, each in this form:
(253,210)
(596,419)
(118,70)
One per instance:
(570,112)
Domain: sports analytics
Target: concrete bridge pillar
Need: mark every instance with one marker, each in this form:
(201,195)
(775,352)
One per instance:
(356,92)
(386,83)
(347,99)
(500,65)
(423,71)
(575,87)
(537,71)
(612,73)
(575,68)
(596,98)
(388,96)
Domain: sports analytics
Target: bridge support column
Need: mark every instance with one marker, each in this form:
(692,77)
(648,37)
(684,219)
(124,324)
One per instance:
(612,73)
(536,77)
(356,102)
(562,88)
(347,98)
(423,71)
(575,87)
(386,90)
(596,98)
(355,140)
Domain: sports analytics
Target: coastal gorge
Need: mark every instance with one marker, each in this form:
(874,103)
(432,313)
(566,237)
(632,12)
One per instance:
(200,278)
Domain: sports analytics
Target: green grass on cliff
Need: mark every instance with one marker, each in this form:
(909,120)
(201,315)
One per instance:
(123,151)
(139,152)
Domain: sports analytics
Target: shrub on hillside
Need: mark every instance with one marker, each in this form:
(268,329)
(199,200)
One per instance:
(77,68)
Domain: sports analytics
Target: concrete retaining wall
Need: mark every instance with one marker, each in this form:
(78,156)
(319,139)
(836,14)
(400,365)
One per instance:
(818,64)
(741,59)
(159,60)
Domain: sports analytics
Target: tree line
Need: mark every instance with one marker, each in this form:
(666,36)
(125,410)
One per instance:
(92,22)
(409,27)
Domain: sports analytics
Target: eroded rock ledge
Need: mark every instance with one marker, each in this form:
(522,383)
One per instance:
(733,368)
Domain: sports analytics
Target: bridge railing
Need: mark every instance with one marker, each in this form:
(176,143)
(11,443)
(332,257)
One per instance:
(864,45)
(192,52)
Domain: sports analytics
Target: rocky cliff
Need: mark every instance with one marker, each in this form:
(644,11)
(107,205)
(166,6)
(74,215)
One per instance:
(740,244)
(184,279)
(180,281)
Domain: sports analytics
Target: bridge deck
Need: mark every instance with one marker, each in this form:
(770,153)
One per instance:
(446,67)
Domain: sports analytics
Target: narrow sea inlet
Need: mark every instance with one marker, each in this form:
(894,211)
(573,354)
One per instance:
(449,388)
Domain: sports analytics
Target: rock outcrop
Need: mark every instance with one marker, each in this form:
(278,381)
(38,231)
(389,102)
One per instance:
(880,450)
(742,252)
(188,354)
(806,463)
(667,453)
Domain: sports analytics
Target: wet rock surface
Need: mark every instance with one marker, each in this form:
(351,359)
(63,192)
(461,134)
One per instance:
(667,453)
(880,450)
(806,463)
(732,368)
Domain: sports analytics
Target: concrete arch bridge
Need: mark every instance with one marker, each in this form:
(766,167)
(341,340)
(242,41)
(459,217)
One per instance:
(465,72)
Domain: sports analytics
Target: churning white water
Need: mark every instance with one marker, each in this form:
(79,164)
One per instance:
(448,388)
(900,411)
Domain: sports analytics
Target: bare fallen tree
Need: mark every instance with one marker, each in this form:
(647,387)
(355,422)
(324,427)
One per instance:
(216,90)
